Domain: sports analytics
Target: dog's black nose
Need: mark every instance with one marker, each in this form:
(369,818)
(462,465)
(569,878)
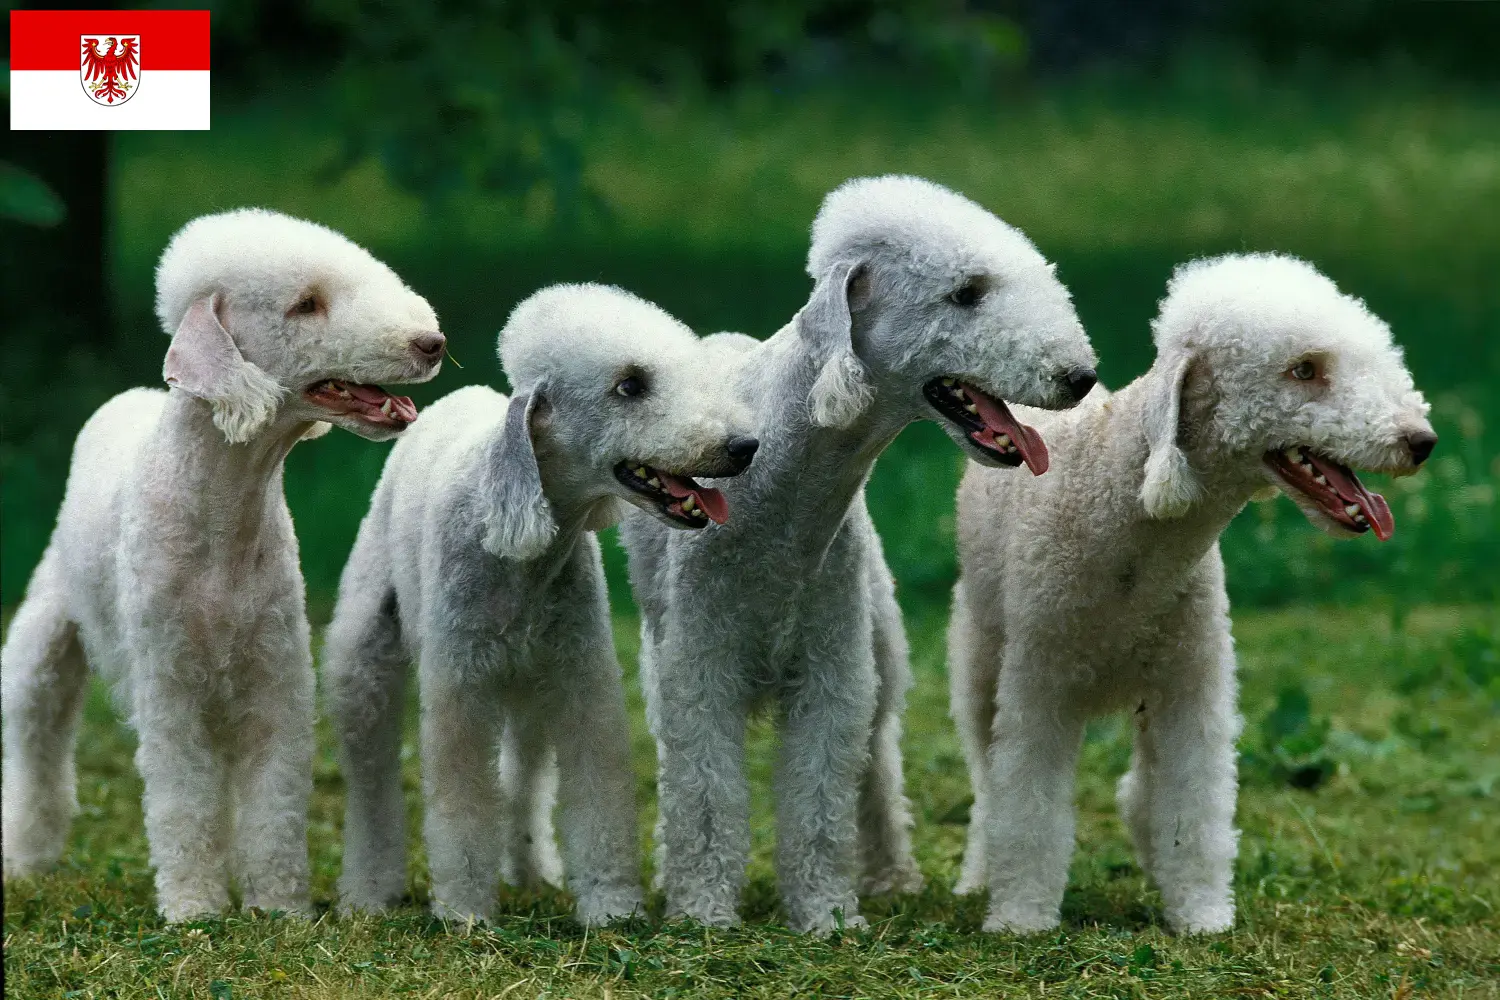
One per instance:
(742,448)
(1421,444)
(1080,381)
(429,345)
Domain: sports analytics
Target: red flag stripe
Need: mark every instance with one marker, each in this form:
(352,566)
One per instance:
(49,39)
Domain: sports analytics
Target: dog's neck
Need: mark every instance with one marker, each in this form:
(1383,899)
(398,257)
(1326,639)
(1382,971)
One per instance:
(576,507)
(226,490)
(804,475)
(1226,484)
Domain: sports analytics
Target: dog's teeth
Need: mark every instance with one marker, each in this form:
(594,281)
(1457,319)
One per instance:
(640,472)
(1293,454)
(386,407)
(1352,509)
(971,408)
(1320,479)
(689,504)
(1003,440)
(948,382)
(654,483)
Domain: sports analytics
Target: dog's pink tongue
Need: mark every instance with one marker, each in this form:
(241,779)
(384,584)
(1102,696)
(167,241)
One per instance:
(998,418)
(1347,485)
(709,499)
(402,408)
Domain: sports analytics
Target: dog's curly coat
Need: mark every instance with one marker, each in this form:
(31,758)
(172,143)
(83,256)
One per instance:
(173,568)
(1099,587)
(791,601)
(477,562)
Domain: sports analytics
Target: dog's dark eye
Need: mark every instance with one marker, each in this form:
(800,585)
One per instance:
(307,306)
(630,385)
(968,294)
(1303,371)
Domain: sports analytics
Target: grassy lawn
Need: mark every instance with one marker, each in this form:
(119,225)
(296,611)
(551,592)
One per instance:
(1380,882)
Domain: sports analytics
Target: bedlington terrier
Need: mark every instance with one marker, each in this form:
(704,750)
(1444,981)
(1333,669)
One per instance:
(476,562)
(925,306)
(1100,588)
(173,568)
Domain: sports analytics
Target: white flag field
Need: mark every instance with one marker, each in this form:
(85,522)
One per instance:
(109,69)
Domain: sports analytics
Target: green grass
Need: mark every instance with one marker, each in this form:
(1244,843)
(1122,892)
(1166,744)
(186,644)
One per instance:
(1380,882)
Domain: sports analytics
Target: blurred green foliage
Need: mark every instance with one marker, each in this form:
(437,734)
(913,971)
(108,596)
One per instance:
(1391,191)
(498,96)
(26,198)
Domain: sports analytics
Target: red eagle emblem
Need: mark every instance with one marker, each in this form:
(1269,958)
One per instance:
(111,74)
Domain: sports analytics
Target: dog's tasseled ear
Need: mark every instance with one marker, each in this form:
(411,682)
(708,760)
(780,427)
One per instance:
(842,390)
(1171,487)
(203,361)
(520,525)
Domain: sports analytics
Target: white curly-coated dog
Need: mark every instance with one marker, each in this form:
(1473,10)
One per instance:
(173,567)
(925,307)
(1100,588)
(476,561)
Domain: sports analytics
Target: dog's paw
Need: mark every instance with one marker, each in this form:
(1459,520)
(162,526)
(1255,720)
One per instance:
(968,885)
(1215,919)
(26,867)
(823,921)
(611,908)
(893,881)
(359,908)
(177,908)
(466,915)
(1010,918)
(710,913)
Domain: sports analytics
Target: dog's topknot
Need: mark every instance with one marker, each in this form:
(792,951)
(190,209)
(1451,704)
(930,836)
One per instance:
(253,249)
(867,213)
(548,329)
(1276,293)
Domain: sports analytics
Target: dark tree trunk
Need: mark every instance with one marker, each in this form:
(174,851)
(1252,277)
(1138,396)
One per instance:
(55,277)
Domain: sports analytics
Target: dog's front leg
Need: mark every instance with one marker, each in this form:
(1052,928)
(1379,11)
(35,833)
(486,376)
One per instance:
(1184,768)
(596,782)
(825,738)
(185,805)
(460,737)
(1032,759)
(271,777)
(698,702)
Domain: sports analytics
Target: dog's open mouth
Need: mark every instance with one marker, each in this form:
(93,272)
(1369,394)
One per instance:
(369,403)
(988,423)
(681,499)
(1335,489)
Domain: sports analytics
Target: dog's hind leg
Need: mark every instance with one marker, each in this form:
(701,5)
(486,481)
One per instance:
(44,676)
(973,672)
(885,820)
(365,668)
